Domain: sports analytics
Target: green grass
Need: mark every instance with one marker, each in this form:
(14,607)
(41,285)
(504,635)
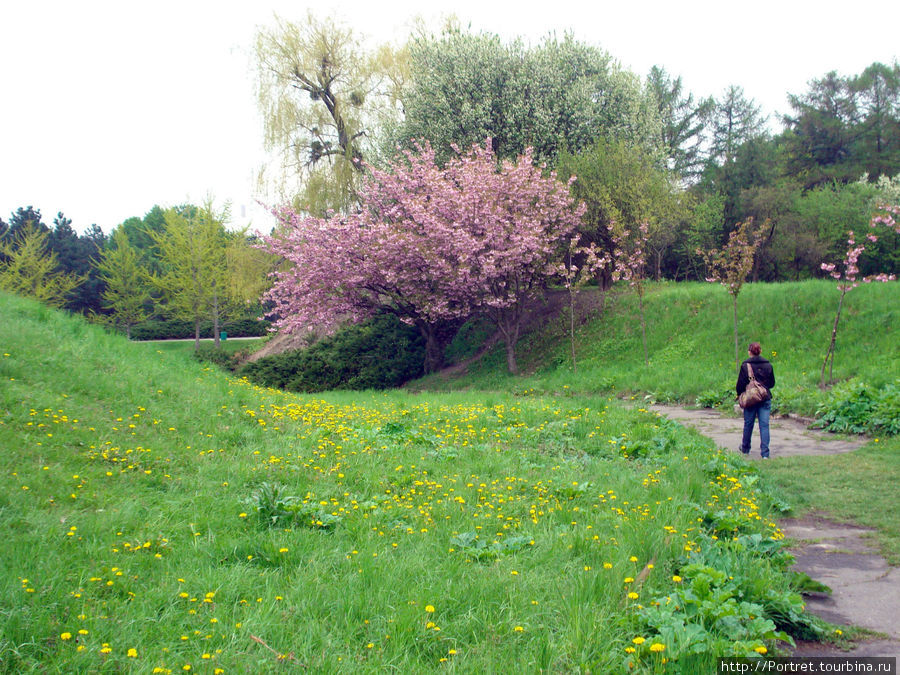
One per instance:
(858,487)
(691,344)
(690,335)
(187,346)
(157,514)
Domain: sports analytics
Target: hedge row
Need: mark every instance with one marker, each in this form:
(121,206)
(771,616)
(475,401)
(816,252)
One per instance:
(176,329)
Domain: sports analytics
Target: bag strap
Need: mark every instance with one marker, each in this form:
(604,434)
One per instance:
(750,373)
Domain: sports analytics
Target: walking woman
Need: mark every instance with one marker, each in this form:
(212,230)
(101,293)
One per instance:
(765,375)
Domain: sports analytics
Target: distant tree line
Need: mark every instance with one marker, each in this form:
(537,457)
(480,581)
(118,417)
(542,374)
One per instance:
(179,264)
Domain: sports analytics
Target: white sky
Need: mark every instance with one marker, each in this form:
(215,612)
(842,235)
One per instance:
(111,107)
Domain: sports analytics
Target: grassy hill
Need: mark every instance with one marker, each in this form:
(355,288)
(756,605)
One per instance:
(690,339)
(159,516)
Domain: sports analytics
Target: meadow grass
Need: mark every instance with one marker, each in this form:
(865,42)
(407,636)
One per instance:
(187,346)
(691,345)
(159,516)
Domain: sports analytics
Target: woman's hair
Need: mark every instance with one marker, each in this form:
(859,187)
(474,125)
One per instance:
(754,348)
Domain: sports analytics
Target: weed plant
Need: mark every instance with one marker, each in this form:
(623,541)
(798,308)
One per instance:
(159,516)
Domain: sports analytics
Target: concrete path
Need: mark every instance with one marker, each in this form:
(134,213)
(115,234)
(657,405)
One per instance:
(789,437)
(865,589)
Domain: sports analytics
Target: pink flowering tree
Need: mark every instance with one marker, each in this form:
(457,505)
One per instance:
(731,266)
(631,266)
(432,245)
(847,276)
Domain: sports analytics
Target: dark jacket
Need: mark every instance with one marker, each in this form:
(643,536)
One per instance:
(762,371)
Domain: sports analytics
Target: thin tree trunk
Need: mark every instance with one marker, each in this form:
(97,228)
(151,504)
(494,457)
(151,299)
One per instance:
(643,327)
(216,320)
(830,351)
(572,326)
(196,334)
(737,357)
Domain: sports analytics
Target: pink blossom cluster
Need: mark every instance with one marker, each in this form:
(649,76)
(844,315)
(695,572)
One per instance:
(848,273)
(428,243)
(630,258)
(886,217)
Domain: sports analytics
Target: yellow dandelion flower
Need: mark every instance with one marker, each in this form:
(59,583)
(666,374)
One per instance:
(639,640)
(518,629)
(65,636)
(632,596)
(429,608)
(760,650)
(657,647)
(132,653)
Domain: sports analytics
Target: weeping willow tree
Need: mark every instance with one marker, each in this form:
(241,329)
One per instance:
(323,98)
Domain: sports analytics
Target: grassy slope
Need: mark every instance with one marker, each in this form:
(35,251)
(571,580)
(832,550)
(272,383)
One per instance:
(126,475)
(691,345)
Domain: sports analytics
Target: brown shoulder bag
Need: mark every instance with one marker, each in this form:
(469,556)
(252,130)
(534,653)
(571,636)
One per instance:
(754,393)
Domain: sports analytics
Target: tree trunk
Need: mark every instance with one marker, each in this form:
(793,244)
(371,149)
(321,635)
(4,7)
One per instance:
(216,320)
(643,327)
(830,351)
(437,337)
(511,364)
(737,357)
(572,326)
(196,334)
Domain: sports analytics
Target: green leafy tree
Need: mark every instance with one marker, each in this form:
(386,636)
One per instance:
(28,268)
(878,98)
(622,188)
(126,295)
(193,281)
(465,87)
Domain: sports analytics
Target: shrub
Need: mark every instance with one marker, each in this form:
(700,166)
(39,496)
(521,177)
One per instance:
(856,408)
(208,353)
(378,354)
(175,329)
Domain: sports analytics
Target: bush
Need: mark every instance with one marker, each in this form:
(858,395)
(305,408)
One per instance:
(207,353)
(856,408)
(378,354)
(175,329)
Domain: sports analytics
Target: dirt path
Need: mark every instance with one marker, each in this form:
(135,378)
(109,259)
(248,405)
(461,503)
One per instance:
(865,589)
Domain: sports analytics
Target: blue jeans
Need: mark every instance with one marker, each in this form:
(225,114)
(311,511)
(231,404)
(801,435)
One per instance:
(762,411)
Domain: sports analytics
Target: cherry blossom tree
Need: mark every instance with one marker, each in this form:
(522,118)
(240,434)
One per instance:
(432,245)
(847,276)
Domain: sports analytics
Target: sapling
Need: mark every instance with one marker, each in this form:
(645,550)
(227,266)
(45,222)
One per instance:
(631,264)
(847,276)
(731,266)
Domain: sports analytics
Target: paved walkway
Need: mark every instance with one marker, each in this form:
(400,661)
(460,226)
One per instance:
(865,589)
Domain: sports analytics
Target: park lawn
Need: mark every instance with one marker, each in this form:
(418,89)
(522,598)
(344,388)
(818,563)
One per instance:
(858,487)
(177,518)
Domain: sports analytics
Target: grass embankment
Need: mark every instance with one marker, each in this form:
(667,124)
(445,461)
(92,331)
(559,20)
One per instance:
(158,516)
(230,346)
(691,347)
